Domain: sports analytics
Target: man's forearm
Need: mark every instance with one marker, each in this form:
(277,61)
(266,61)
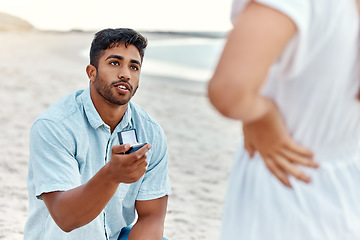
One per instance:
(79,206)
(148,228)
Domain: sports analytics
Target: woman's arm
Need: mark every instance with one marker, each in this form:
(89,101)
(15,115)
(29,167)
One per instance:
(259,36)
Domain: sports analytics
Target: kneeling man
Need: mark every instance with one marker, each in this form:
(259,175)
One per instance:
(83,184)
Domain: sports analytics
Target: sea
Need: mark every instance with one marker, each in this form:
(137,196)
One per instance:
(182,55)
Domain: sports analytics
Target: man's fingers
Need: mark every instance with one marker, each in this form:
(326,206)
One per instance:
(141,162)
(118,149)
(142,151)
(128,168)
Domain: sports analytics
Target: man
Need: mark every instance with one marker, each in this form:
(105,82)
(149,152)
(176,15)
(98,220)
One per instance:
(81,183)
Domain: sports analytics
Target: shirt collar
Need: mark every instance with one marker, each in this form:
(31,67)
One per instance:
(94,117)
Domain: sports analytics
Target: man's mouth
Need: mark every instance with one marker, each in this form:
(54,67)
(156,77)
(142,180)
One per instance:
(123,86)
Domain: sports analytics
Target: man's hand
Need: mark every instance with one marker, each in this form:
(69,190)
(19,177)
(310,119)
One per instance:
(128,168)
(269,136)
(77,207)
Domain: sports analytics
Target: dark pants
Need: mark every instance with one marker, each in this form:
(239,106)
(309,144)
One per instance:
(125,234)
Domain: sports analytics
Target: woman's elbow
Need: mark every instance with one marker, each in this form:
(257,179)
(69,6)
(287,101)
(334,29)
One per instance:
(218,104)
(216,97)
(227,102)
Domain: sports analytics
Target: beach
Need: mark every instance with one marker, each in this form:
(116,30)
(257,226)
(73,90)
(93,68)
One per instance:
(38,68)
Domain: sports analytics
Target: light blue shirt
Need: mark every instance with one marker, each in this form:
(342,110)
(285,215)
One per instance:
(69,143)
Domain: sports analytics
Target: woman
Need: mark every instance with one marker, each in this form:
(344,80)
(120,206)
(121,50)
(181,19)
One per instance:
(289,72)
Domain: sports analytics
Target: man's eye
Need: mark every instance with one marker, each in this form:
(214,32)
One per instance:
(114,63)
(135,68)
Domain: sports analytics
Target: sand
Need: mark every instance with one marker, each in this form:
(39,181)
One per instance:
(38,68)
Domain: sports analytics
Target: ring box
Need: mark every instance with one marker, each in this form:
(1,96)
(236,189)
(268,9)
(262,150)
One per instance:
(129,136)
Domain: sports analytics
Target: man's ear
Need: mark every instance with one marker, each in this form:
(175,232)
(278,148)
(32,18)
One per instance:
(91,72)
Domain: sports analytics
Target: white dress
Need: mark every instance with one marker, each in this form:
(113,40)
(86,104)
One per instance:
(314,84)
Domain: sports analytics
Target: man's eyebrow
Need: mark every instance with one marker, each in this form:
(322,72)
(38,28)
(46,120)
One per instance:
(136,62)
(115,56)
(122,58)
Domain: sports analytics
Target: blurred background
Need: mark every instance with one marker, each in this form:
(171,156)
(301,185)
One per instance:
(44,48)
(206,21)
(155,15)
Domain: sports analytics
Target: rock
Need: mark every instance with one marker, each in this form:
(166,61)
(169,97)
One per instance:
(9,23)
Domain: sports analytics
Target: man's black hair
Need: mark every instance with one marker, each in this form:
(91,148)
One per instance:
(109,38)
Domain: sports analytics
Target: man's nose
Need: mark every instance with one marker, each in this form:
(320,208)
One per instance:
(124,73)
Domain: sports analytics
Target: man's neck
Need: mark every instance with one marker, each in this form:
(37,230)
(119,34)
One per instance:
(110,113)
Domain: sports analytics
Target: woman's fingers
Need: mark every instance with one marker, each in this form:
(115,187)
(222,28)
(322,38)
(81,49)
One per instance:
(281,167)
(278,172)
(249,148)
(295,157)
(293,146)
(291,169)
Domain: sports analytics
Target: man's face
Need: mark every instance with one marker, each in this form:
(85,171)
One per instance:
(118,74)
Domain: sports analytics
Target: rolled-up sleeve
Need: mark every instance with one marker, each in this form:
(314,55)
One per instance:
(156,183)
(53,166)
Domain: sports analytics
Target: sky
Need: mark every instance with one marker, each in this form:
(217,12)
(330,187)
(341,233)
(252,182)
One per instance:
(163,15)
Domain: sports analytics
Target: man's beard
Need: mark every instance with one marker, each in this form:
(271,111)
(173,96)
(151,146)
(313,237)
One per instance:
(106,91)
